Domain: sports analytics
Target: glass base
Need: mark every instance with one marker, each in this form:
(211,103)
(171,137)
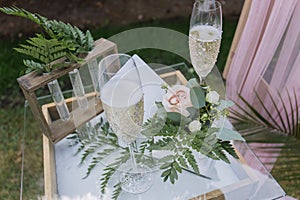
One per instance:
(137,180)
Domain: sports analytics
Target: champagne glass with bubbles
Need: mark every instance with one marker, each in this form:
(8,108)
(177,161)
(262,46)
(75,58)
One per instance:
(122,97)
(205,35)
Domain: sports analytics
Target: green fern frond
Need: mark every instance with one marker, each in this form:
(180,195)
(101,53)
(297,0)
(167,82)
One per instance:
(13,10)
(72,41)
(107,173)
(191,160)
(226,145)
(43,50)
(182,161)
(117,191)
(171,171)
(89,40)
(32,66)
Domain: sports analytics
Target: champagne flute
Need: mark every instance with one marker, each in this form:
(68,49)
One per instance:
(122,97)
(205,35)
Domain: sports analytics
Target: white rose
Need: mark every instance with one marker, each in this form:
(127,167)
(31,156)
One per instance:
(213,97)
(177,99)
(195,126)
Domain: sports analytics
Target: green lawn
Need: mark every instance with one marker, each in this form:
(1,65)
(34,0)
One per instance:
(12,109)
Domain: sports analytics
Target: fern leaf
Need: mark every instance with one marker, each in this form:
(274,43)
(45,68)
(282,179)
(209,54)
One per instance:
(32,65)
(229,148)
(171,171)
(38,19)
(81,36)
(107,173)
(117,191)
(89,40)
(182,161)
(191,160)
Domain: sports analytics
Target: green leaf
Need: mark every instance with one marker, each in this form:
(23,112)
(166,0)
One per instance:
(197,95)
(117,191)
(166,173)
(194,113)
(182,162)
(227,134)
(193,83)
(165,166)
(224,104)
(174,116)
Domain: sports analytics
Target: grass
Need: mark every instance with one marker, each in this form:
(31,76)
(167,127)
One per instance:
(12,109)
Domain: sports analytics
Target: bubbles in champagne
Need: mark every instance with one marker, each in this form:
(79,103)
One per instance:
(204,44)
(124,108)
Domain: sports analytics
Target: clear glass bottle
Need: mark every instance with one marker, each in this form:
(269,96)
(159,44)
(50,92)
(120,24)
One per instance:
(59,100)
(94,72)
(78,89)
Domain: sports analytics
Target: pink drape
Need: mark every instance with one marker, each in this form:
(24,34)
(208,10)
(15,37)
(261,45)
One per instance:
(267,60)
(267,56)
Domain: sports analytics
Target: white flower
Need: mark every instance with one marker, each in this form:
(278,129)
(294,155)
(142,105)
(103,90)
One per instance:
(195,126)
(177,99)
(213,97)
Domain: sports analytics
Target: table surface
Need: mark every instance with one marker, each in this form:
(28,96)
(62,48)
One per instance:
(242,179)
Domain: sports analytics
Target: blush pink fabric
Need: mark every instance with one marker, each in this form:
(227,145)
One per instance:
(267,60)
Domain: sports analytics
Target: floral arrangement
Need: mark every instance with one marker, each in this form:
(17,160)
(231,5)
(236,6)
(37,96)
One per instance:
(185,125)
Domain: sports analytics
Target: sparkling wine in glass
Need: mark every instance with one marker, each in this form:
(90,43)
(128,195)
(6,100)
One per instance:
(205,35)
(122,97)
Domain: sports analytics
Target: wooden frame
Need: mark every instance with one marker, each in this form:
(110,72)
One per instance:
(30,83)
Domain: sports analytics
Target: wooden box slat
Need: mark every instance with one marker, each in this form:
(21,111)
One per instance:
(61,129)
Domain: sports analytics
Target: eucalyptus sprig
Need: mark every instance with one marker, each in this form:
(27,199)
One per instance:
(69,42)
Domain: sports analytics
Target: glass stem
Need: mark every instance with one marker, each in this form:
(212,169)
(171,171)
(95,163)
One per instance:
(202,80)
(131,151)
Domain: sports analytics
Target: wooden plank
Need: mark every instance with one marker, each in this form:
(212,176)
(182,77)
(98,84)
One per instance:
(213,195)
(49,164)
(237,35)
(37,113)
(61,129)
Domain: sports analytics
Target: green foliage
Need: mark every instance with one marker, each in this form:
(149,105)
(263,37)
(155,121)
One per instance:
(287,123)
(198,97)
(64,40)
(101,144)
(185,143)
(173,138)
(117,191)
(279,138)
(44,51)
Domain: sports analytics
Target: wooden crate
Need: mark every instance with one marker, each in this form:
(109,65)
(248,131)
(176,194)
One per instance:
(50,166)
(30,83)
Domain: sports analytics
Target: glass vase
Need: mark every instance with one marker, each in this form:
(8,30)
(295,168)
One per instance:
(59,100)
(93,69)
(78,89)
